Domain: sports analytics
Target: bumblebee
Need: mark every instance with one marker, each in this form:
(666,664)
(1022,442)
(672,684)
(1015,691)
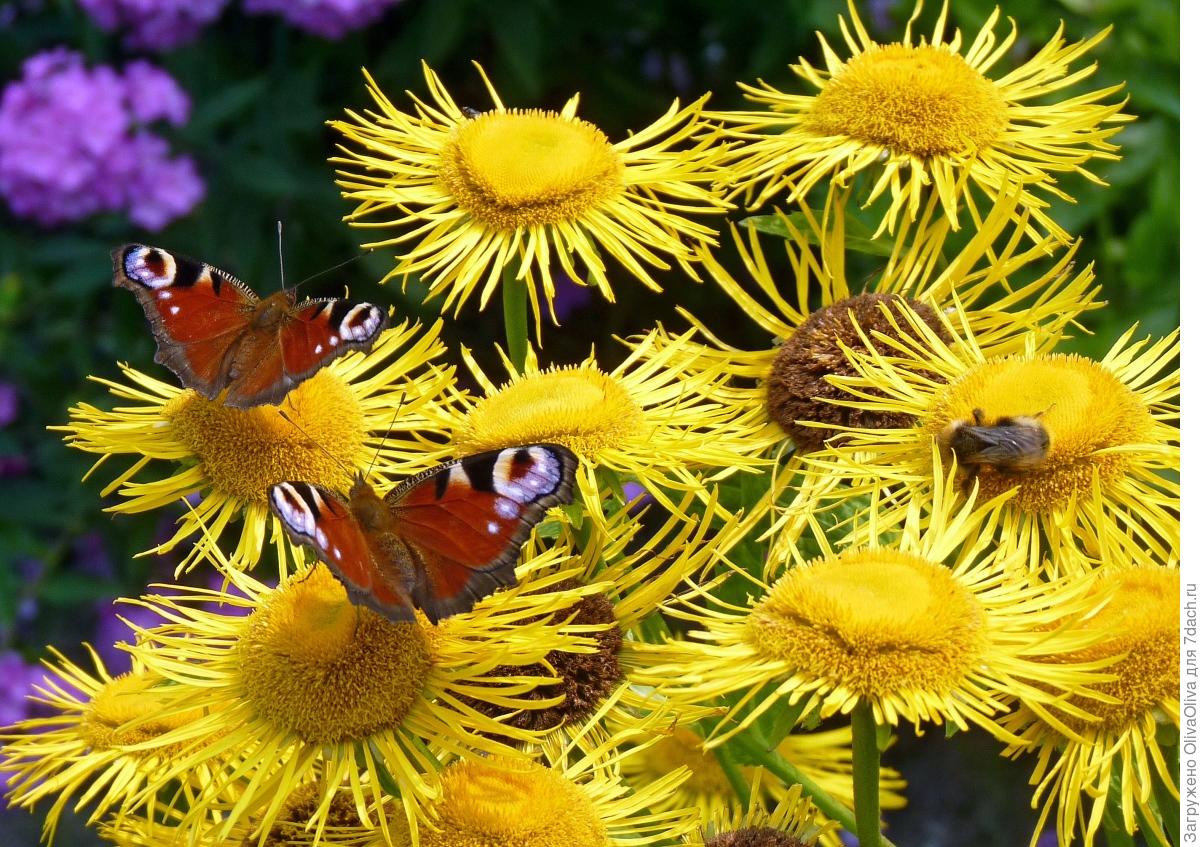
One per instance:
(1011,445)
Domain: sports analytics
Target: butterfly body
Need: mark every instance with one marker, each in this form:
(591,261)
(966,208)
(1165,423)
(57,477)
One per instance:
(439,541)
(218,336)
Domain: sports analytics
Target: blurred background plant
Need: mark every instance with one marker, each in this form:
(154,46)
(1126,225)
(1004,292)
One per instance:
(197,125)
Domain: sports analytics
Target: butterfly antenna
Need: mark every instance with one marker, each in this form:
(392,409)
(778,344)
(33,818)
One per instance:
(343,264)
(322,447)
(379,446)
(279,233)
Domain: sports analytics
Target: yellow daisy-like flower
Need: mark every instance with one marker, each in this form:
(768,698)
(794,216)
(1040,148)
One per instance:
(571,801)
(924,628)
(525,188)
(649,419)
(792,822)
(361,406)
(520,803)
(924,113)
(1111,427)
(1120,751)
(634,569)
(100,746)
(972,288)
(288,830)
(823,756)
(308,682)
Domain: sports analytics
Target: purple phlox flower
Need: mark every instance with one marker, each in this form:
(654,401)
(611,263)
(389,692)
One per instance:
(17,679)
(74,142)
(327,18)
(637,495)
(112,630)
(154,24)
(91,556)
(569,297)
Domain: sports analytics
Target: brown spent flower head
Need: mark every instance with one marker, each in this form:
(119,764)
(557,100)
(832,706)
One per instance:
(797,390)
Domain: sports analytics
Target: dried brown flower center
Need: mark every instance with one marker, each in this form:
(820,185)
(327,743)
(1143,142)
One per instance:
(797,389)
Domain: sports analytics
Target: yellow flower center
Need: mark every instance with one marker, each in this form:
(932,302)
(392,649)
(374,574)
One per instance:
(1083,406)
(329,671)
(131,697)
(526,169)
(684,747)
(513,803)
(1141,625)
(924,101)
(873,622)
(245,451)
(581,408)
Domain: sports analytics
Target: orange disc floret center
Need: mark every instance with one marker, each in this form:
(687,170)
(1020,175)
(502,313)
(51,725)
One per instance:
(529,168)
(872,622)
(243,452)
(515,803)
(581,408)
(131,709)
(923,101)
(312,663)
(1085,409)
(1141,627)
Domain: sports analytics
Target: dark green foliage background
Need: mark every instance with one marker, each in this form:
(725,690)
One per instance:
(262,92)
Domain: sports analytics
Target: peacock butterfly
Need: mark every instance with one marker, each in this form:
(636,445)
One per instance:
(215,333)
(439,541)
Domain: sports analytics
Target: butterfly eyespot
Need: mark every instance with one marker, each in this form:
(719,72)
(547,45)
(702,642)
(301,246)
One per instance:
(150,267)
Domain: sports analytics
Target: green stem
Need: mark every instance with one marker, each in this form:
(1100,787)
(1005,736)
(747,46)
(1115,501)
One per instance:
(865,744)
(734,774)
(516,315)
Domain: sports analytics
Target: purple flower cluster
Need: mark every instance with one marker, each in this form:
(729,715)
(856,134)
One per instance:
(154,24)
(327,18)
(16,682)
(74,142)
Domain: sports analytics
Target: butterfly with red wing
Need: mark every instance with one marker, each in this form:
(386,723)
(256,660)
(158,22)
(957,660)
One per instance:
(439,541)
(217,335)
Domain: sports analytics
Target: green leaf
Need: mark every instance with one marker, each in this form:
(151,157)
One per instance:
(857,236)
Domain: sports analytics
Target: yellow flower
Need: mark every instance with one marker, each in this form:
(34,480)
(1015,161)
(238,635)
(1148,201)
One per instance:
(1112,427)
(1119,752)
(973,288)
(165,829)
(101,745)
(648,419)
(927,627)
(519,803)
(823,756)
(924,113)
(307,682)
(632,568)
(530,189)
(793,822)
(229,457)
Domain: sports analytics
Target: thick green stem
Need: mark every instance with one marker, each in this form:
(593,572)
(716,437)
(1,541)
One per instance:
(865,744)
(734,774)
(516,316)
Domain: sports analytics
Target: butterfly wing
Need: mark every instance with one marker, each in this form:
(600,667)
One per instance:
(465,521)
(197,313)
(376,571)
(296,344)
